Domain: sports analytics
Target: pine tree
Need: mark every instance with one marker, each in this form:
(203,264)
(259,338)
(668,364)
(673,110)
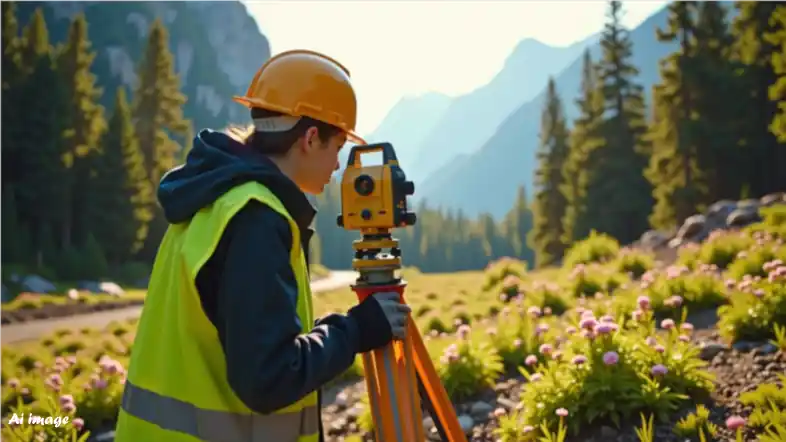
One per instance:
(85,125)
(518,223)
(12,130)
(777,91)
(41,202)
(715,94)
(768,156)
(584,138)
(674,170)
(126,193)
(158,116)
(550,203)
(618,197)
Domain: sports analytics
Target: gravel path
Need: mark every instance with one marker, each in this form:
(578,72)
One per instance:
(27,331)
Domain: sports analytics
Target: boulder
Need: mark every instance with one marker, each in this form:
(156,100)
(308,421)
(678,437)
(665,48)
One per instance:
(37,284)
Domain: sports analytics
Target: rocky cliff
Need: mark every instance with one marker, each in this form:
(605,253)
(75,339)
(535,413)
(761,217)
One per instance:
(217,48)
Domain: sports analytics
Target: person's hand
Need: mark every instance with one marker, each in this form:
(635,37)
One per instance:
(396,313)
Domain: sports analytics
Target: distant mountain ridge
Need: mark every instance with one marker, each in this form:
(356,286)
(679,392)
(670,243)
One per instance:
(487,180)
(472,118)
(217,47)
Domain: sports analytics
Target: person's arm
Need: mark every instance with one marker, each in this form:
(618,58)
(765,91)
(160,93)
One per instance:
(270,363)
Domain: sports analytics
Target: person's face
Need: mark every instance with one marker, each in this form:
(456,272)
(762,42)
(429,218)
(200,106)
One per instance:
(319,160)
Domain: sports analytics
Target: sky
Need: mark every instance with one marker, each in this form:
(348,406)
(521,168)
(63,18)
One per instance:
(396,49)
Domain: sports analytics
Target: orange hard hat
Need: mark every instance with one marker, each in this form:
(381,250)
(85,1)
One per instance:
(304,83)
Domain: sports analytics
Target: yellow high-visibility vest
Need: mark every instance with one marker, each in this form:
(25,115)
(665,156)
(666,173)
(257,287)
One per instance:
(177,388)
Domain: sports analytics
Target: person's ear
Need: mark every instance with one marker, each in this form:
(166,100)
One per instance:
(310,138)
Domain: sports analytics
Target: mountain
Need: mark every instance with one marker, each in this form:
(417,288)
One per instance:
(487,180)
(472,118)
(406,125)
(217,48)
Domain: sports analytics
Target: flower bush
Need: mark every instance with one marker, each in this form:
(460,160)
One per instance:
(502,268)
(597,247)
(466,367)
(605,357)
(75,374)
(756,306)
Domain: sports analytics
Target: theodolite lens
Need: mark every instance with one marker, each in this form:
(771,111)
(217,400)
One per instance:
(364,185)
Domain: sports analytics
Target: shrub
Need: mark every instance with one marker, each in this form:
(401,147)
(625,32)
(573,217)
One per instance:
(633,262)
(597,247)
(589,280)
(756,306)
(696,425)
(721,248)
(768,402)
(467,367)
(753,262)
(603,359)
(678,286)
(498,270)
(773,222)
(517,336)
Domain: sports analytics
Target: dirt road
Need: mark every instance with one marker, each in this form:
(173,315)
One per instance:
(35,329)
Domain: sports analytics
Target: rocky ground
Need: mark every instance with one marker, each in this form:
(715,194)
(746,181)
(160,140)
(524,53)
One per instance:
(738,369)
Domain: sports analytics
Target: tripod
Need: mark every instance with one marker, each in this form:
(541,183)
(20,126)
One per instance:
(401,374)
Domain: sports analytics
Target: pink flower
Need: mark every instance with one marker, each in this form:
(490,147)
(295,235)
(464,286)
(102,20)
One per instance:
(660,348)
(603,328)
(644,302)
(637,315)
(546,349)
(687,326)
(570,330)
(651,341)
(608,319)
(14,383)
(659,370)
(611,358)
(541,328)
(66,399)
(534,311)
(499,412)
(516,343)
(78,423)
(579,360)
(68,408)
(588,323)
(735,422)
(463,331)
(536,377)
(684,338)
(531,360)
(561,412)
(667,324)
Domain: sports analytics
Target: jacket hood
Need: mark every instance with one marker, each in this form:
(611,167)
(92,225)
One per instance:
(216,164)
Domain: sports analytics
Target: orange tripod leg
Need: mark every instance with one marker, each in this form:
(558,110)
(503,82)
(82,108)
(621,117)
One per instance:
(392,375)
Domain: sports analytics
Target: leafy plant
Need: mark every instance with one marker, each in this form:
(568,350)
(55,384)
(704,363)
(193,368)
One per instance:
(696,424)
(646,432)
(596,248)
(467,367)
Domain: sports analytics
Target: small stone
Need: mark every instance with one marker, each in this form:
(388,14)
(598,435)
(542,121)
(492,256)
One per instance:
(507,403)
(607,432)
(743,346)
(711,349)
(480,410)
(767,349)
(466,423)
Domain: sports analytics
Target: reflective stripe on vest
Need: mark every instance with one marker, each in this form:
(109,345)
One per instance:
(211,425)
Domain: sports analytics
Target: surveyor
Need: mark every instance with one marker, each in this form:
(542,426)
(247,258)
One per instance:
(227,348)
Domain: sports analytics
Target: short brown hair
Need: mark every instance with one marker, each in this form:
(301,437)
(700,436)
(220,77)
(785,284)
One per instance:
(279,143)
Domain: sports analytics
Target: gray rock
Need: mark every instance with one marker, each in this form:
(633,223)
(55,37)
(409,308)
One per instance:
(767,349)
(772,199)
(711,349)
(608,433)
(717,213)
(693,228)
(743,216)
(466,423)
(480,410)
(6,294)
(107,287)
(108,436)
(744,346)
(653,239)
(37,284)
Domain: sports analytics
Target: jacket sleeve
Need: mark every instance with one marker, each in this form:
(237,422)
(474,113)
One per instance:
(270,362)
